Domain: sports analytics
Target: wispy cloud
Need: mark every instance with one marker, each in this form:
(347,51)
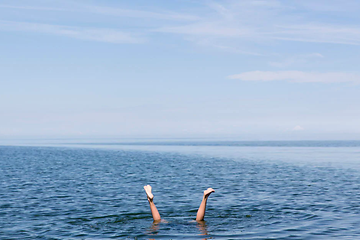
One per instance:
(214,29)
(93,34)
(110,11)
(38,8)
(222,10)
(230,24)
(317,33)
(223,47)
(330,5)
(165,15)
(297,76)
(264,21)
(320,33)
(297,59)
(297,128)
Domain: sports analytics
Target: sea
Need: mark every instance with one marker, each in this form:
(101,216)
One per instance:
(93,189)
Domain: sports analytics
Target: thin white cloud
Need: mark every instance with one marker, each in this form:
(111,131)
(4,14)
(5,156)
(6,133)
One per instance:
(207,29)
(297,59)
(222,10)
(166,15)
(230,24)
(110,11)
(321,33)
(298,128)
(262,21)
(222,47)
(318,33)
(298,76)
(330,5)
(92,34)
(37,8)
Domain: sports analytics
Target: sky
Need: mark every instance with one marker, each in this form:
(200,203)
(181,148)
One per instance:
(245,69)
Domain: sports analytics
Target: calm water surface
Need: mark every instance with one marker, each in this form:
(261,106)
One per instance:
(266,191)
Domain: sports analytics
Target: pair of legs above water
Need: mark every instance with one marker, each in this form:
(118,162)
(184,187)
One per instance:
(200,213)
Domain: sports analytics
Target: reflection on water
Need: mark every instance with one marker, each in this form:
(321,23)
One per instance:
(201,225)
(154,228)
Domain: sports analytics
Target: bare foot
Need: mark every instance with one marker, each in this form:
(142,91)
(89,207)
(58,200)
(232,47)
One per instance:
(208,191)
(148,192)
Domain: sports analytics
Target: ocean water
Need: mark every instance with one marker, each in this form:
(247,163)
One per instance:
(264,190)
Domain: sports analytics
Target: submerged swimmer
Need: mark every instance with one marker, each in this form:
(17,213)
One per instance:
(156,215)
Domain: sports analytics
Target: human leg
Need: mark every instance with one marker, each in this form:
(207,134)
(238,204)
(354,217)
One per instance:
(150,197)
(201,211)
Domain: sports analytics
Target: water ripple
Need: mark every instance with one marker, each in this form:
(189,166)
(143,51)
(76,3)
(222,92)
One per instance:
(64,193)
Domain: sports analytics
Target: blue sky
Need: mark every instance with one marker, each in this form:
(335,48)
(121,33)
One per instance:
(250,70)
